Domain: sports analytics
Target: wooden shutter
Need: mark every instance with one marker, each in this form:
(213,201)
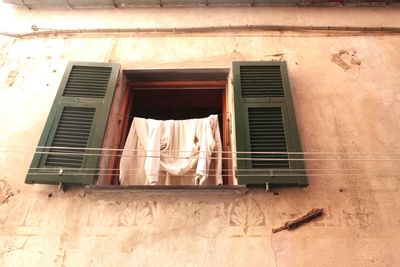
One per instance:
(265,122)
(77,120)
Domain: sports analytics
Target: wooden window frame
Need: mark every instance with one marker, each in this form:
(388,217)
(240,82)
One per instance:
(117,125)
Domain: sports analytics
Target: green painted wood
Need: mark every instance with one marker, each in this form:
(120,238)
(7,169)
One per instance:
(77,120)
(266,122)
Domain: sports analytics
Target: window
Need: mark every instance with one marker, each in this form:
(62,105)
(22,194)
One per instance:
(267,141)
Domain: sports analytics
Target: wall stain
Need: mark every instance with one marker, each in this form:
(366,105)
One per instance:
(359,216)
(12,75)
(5,192)
(346,58)
(8,248)
(337,59)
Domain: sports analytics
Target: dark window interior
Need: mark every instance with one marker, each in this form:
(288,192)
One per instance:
(178,104)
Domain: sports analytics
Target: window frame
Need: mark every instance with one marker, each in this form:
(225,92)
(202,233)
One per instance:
(122,98)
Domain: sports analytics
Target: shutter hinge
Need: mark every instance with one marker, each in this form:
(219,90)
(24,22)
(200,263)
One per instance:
(232,80)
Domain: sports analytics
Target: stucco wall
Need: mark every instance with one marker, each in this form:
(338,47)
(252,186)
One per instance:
(347,99)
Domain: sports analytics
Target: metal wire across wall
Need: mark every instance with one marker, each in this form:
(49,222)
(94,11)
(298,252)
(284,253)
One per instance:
(365,162)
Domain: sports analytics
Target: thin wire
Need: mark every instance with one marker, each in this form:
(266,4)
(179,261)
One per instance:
(236,158)
(238,152)
(238,175)
(231,169)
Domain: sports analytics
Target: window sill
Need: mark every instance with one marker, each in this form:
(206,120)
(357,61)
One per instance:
(147,188)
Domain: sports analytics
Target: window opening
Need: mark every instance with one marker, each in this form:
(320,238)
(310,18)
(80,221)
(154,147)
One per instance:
(177,100)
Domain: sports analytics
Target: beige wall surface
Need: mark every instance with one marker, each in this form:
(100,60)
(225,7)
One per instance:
(346,93)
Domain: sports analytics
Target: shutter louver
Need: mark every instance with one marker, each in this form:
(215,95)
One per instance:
(266,126)
(87,81)
(76,122)
(267,134)
(73,131)
(261,81)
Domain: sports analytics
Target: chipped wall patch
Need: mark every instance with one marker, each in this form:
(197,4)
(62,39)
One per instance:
(355,61)
(5,192)
(12,75)
(344,58)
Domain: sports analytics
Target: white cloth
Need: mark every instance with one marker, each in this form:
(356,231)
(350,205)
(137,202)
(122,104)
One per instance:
(172,152)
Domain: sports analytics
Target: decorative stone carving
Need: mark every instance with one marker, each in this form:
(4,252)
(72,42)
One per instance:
(246,213)
(137,213)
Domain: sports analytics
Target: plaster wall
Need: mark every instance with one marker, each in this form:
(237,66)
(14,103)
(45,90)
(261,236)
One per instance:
(347,99)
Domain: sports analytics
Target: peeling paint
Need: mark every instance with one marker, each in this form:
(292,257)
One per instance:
(12,75)
(5,192)
(344,58)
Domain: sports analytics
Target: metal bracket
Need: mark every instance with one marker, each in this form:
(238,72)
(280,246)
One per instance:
(62,187)
(266,187)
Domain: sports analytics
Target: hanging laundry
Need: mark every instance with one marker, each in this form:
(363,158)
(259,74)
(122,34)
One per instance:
(172,152)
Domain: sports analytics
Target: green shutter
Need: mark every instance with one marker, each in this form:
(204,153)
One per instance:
(77,120)
(265,122)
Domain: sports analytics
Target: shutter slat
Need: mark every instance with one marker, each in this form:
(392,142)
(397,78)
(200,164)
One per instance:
(264,120)
(86,81)
(261,81)
(73,131)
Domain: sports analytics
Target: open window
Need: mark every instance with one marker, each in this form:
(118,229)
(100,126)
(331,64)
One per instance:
(176,95)
(89,121)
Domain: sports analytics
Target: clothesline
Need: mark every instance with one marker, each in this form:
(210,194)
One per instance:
(230,169)
(226,175)
(185,151)
(223,151)
(229,158)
